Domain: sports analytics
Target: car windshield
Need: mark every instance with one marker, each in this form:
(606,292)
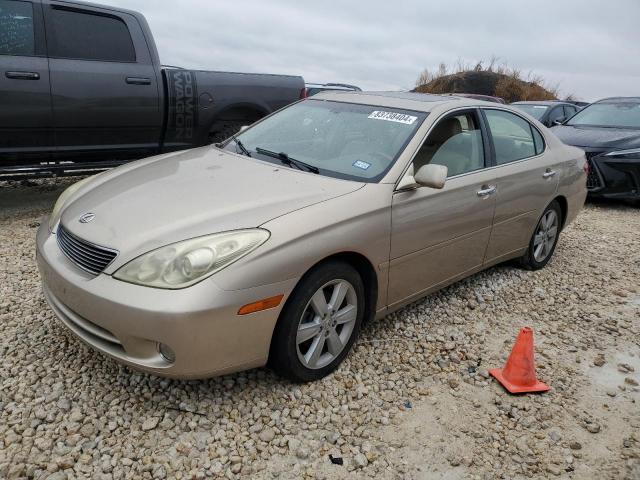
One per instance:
(610,114)
(343,140)
(536,111)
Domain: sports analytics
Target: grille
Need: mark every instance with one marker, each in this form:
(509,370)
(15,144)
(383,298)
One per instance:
(89,257)
(593,178)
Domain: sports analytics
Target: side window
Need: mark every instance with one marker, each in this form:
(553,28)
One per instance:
(537,140)
(16,28)
(455,142)
(569,111)
(556,114)
(88,36)
(512,137)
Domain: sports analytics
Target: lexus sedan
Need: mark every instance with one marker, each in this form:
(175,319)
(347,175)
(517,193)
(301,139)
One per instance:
(609,132)
(275,246)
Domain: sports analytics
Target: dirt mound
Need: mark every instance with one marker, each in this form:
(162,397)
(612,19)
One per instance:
(507,86)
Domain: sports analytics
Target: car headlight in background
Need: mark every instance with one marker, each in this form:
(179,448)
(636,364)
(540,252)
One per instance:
(62,200)
(632,153)
(182,264)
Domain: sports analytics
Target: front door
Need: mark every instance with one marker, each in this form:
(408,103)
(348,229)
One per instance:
(25,99)
(438,236)
(103,81)
(527,180)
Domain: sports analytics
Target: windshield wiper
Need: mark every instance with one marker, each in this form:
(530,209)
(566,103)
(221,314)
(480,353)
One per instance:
(287,160)
(241,146)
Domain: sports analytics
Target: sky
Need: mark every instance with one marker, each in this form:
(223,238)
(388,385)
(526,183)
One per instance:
(588,48)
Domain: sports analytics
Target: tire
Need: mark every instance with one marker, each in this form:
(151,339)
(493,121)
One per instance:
(301,331)
(222,131)
(537,255)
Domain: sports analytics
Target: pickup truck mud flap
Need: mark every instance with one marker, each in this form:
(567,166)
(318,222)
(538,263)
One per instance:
(182,117)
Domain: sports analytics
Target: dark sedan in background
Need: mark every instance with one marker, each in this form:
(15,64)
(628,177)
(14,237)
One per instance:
(548,112)
(609,133)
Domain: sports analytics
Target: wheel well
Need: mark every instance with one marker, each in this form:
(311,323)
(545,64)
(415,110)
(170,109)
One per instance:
(564,208)
(367,273)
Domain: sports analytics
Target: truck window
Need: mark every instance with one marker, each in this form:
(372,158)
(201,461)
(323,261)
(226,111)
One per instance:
(16,28)
(88,36)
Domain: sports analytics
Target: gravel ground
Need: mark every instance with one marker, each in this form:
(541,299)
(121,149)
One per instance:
(414,400)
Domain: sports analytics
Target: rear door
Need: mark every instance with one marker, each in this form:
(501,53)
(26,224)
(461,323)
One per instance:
(25,99)
(526,179)
(103,81)
(438,236)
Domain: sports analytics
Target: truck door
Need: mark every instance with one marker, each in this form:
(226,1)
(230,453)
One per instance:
(104,87)
(25,99)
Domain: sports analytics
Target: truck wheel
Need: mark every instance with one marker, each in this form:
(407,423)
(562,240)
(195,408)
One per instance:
(319,323)
(222,131)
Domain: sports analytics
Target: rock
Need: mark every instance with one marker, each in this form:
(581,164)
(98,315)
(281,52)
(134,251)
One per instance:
(625,368)
(575,445)
(599,360)
(267,435)
(593,427)
(360,460)
(150,423)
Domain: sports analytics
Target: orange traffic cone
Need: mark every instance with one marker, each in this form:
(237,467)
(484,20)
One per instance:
(519,373)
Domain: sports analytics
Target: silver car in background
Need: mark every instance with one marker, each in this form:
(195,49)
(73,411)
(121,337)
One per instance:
(275,246)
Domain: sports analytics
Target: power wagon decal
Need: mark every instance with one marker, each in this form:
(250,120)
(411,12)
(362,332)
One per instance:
(183,106)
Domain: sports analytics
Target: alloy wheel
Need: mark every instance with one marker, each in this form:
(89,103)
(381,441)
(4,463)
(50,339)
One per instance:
(545,237)
(326,324)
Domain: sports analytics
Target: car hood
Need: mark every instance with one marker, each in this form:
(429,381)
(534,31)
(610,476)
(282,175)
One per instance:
(598,137)
(141,207)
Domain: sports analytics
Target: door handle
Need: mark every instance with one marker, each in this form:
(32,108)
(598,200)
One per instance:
(549,173)
(23,75)
(486,191)
(138,81)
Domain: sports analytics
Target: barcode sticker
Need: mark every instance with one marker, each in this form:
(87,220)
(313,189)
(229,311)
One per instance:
(393,117)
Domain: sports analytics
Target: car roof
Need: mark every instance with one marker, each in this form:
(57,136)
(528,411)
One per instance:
(420,102)
(619,100)
(542,102)
(329,86)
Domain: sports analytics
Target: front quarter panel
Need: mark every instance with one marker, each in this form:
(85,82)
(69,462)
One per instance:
(357,222)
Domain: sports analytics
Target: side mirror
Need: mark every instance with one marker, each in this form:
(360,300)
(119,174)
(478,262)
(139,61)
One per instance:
(431,175)
(560,121)
(243,128)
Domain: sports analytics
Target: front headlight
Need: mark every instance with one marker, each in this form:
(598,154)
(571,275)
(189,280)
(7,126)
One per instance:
(62,199)
(182,264)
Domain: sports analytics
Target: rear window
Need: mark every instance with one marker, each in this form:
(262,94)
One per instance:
(16,28)
(88,36)
(536,111)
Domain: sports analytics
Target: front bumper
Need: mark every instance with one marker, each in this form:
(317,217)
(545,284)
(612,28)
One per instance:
(611,177)
(200,324)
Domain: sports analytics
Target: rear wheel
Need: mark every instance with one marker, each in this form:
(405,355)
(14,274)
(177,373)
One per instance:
(545,238)
(319,324)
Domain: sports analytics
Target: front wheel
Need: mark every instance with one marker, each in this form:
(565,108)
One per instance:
(545,238)
(319,324)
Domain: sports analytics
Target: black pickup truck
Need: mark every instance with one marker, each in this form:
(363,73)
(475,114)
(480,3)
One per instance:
(82,88)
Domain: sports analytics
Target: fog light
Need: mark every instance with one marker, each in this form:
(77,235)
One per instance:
(166,352)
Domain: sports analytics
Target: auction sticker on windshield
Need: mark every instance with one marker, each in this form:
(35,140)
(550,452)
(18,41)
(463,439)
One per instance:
(393,117)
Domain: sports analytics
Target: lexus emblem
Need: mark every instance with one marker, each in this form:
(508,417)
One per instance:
(87,217)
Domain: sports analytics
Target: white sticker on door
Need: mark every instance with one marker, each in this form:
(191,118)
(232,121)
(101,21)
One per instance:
(393,117)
